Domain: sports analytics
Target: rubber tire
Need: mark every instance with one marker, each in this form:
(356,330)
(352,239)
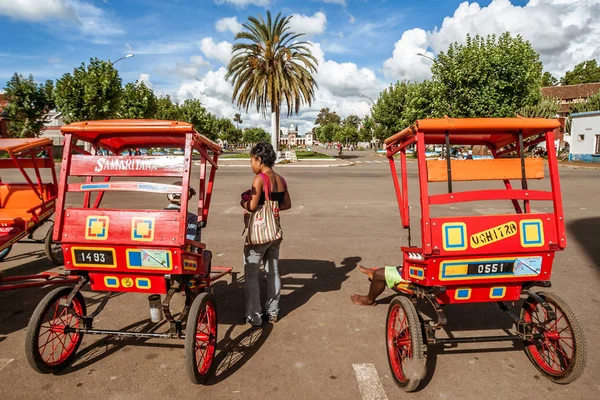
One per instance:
(48,242)
(579,346)
(4,253)
(200,302)
(33,329)
(417,344)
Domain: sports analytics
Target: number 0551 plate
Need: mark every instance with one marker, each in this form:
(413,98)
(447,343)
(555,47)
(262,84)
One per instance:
(93,257)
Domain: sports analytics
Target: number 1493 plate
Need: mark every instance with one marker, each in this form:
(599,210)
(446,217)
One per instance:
(93,257)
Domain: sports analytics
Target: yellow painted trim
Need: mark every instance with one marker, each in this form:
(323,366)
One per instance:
(414,275)
(540,242)
(498,287)
(452,244)
(110,285)
(462,298)
(77,264)
(137,283)
(138,220)
(128,251)
(475,277)
(99,217)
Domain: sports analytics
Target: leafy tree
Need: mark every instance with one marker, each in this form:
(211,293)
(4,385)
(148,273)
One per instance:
(167,110)
(92,92)
(352,120)
(237,118)
(402,104)
(325,117)
(347,133)
(585,72)
(328,132)
(269,66)
(193,112)
(138,101)
(548,80)
(486,77)
(28,105)
(591,104)
(255,135)
(546,108)
(227,130)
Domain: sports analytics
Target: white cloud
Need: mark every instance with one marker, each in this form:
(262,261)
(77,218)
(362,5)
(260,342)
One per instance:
(405,63)
(244,3)
(219,51)
(160,47)
(340,2)
(563,32)
(228,24)
(36,10)
(309,25)
(185,70)
(95,22)
(145,78)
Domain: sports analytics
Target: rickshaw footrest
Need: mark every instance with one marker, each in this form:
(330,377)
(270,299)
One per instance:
(474,339)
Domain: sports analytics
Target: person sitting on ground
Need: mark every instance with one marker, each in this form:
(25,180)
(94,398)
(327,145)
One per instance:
(379,277)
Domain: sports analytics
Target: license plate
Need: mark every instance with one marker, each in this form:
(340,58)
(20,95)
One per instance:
(94,257)
(491,268)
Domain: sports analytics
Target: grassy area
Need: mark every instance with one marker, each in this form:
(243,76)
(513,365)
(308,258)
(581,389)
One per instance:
(300,154)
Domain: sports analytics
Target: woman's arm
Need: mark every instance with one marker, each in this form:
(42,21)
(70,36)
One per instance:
(286,204)
(256,191)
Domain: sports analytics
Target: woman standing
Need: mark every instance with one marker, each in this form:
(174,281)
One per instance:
(262,159)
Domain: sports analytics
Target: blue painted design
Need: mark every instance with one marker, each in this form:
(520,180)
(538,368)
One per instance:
(462,236)
(528,266)
(111,281)
(486,261)
(93,186)
(591,158)
(539,232)
(143,283)
(150,222)
(497,292)
(463,293)
(135,258)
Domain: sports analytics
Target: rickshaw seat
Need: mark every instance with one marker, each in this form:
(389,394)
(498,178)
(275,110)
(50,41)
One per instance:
(20,196)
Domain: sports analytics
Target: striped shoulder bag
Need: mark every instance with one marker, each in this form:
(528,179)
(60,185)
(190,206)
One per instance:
(263,225)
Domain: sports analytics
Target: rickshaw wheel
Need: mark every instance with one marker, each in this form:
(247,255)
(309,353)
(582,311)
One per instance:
(53,250)
(47,347)
(201,337)
(560,355)
(5,252)
(405,343)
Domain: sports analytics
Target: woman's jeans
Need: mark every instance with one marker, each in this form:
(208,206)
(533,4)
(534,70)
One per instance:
(253,255)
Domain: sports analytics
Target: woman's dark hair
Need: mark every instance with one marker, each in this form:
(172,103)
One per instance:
(265,153)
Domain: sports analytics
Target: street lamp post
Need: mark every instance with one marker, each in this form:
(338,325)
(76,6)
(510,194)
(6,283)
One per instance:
(372,130)
(122,58)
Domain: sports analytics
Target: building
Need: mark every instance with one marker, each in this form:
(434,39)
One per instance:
(570,94)
(292,138)
(585,137)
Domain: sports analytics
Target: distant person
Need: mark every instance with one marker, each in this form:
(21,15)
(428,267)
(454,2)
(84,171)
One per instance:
(137,152)
(192,232)
(470,155)
(262,159)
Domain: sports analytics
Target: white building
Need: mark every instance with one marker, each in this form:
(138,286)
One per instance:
(585,137)
(291,137)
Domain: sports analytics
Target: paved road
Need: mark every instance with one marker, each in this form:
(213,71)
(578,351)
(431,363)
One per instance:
(341,216)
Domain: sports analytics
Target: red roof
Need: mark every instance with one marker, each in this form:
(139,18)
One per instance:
(117,135)
(571,92)
(496,132)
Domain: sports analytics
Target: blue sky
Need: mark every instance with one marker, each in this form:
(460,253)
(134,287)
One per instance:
(182,46)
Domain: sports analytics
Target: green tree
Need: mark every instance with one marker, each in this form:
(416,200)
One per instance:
(138,102)
(347,133)
(167,110)
(585,72)
(28,105)
(402,104)
(325,117)
(328,132)
(92,92)
(591,104)
(486,77)
(193,112)
(352,120)
(548,80)
(237,118)
(546,108)
(227,130)
(255,135)
(271,65)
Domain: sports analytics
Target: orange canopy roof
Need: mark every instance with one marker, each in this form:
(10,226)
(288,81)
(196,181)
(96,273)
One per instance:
(120,134)
(19,145)
(496,132)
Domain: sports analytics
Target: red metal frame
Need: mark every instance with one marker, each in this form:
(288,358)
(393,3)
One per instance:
(141,246)
(453,247)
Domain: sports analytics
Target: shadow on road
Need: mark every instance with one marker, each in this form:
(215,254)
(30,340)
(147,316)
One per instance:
(585,231)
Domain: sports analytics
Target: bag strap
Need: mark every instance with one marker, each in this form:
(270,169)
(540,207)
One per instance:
(266,186)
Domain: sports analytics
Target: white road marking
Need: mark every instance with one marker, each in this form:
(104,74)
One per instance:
(368,161)
(358,162)
(4,362)
(368,382)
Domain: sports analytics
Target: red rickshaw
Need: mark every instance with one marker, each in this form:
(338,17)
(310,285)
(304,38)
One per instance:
(130,249)
(481,258)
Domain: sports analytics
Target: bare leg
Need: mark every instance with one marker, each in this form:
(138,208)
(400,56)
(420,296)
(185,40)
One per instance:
(377,287)
(367,271)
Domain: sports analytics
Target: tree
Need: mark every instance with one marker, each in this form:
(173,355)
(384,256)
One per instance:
(591,104)
(486,77)
(271,66)
(237,118)
(193,112)
(255,135)
(90,93)
(546,108)
(347,134)
(325,117)
(328,132)
(28,105)
(167,110)
(548,80)
(227,131)
(352,120)
(585,72)
(402,104)
(138,101)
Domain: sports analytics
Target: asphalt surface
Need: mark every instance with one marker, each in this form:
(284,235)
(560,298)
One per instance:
(340,217)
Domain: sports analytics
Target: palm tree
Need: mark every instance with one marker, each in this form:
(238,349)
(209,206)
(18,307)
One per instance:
(238,119)
(271,66)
